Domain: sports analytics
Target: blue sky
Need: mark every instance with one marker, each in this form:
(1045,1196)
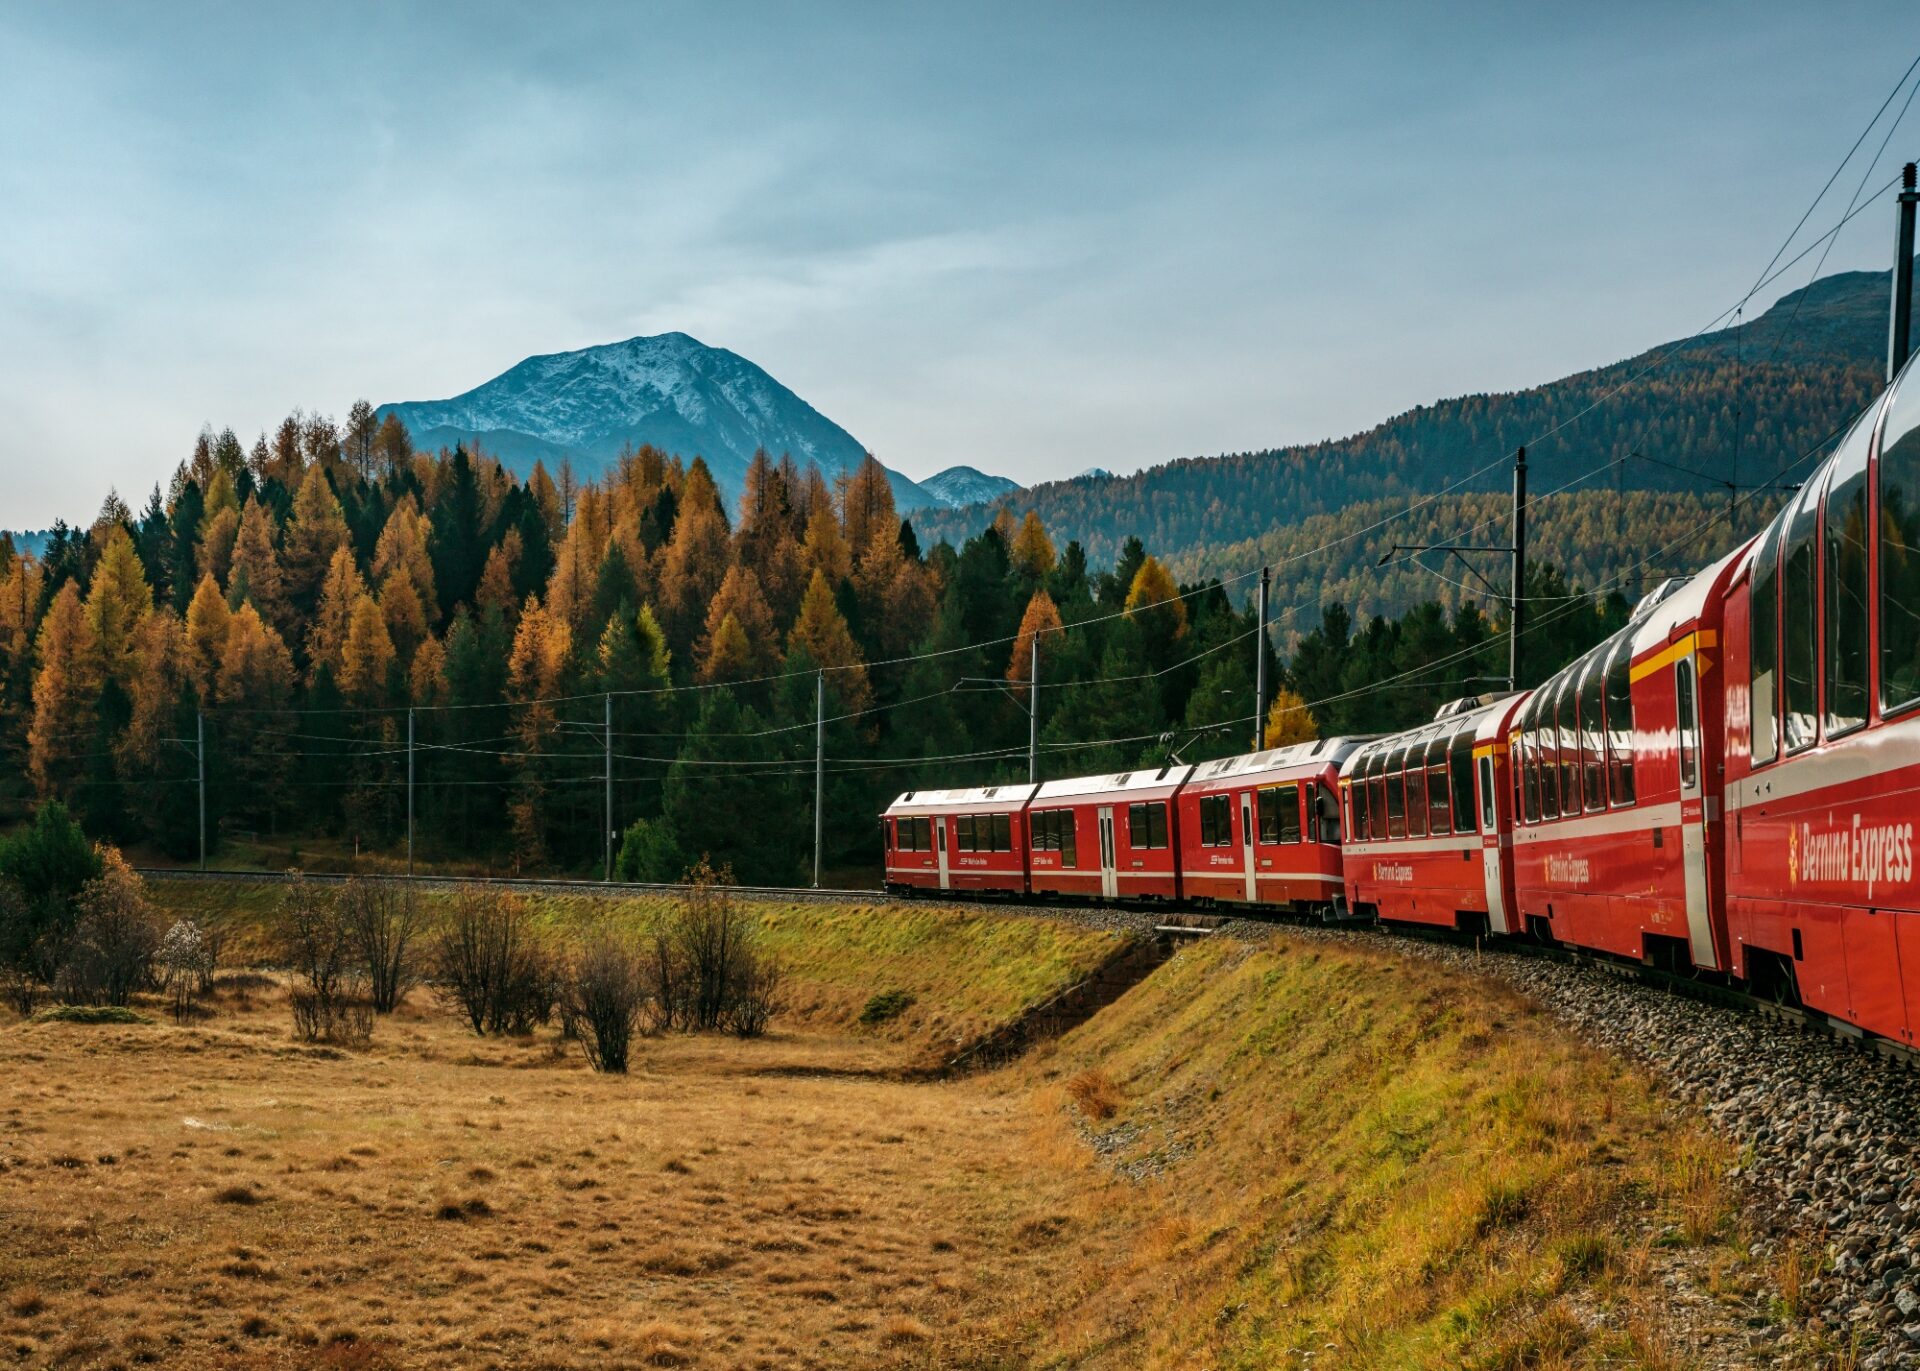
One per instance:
(1032,238)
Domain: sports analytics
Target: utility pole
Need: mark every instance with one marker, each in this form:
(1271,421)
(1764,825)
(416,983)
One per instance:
(1900,320)
(608,774)
(409,790)
(1260,666)
(1033,712)
(1517,611)
(200,756)
(819,766)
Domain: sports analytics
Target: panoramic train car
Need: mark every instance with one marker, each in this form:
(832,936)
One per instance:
(1822,694)
(958,840)
(1427,819)
(1619,838)
(1264,828)
(1109,837)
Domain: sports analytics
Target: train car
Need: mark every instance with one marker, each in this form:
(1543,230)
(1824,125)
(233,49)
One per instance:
(1108,837)
(1428,818)
(1822,696)
(1264,828)
(958,840)
(1620,837)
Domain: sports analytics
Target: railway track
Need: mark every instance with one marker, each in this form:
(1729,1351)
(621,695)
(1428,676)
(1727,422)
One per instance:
(541,884)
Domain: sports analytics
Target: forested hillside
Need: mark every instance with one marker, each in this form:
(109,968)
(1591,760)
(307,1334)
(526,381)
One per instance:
(1744,405)
(311,606)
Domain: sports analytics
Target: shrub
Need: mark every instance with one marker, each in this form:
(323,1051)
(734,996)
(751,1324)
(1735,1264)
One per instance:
(384,923)
(89,1013)
(707,966)
(115,938)
(316,939)
(493,967)
(886,1006)
(650,851)
(49,862)
(185,965)
(605,993)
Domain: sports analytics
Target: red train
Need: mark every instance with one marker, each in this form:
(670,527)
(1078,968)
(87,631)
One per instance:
(1727,787)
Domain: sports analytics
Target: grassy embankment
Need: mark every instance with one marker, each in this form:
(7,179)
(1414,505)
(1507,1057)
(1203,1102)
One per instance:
(1256,1153)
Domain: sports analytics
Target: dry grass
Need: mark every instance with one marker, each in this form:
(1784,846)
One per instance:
(1252,1155)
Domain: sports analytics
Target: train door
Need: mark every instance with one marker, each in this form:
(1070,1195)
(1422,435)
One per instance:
(1490,847)
(1246,846)
(1693,810)
(1109,859)
(940,845)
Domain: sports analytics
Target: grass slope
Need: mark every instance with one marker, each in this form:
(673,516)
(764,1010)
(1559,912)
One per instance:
(1314,1148)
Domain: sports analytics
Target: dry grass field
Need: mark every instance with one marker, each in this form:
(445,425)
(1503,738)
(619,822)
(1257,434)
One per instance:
(1258,1154)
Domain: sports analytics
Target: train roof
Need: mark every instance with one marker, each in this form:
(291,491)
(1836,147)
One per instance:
(1009,797)
(1471,717)
(1683,605)
(1163,778)
(1311,756)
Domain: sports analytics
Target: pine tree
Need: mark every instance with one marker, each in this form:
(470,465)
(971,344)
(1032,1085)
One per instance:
(367,654)
(402,550)
(1289,720)
(257,566)
(208,621)
(826,549)
(118,602)
(691,572)
(426,677)
(406,620)
(317,530)
(214,557)
(821,632)
(254,688)
(65,696)
(867,500)
(333,617)
(1031,551)
(751,647)
(1043,619)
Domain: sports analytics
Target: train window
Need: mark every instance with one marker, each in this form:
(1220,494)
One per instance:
(1547,737)
(1799,588)
(1486,793)
(1377,824)
(1567,707)
(1529,741)
(1763,652)
(1416,774)
(1898,527)
(1002,832)
(1689,723)
(1593,756)
(1460,774)
(1147,825)
(1216,821)
(1439,812)
(1846,585)
(1280,813)
(941,829)
(1051,830)
(964,837)
(1619,719)
(1066,825)
(1396,794)
(1327,815)
(1357,823)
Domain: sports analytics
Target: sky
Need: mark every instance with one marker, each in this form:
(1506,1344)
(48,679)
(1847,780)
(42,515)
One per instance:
(1032,238)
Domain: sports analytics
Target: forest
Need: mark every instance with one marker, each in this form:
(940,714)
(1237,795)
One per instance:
(560,664)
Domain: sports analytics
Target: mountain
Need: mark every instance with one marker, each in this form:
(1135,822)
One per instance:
(959,486)
(670,390)
(1742,405)
(28,540)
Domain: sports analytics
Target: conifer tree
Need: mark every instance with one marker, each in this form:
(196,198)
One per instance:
(821,632)
(402,550)
(208,620)
(367,653)
(1043,619)
(406,620)
(1031,551)
(827,551)
(751,647)
(256,566)
(1289,720)
(218,533)
(118,602)
(317,530)
(426,677)
(65,697)
(333,616)
(868,504)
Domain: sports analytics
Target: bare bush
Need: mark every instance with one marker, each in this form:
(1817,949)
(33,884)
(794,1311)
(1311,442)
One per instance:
(317,941)
(185,966)
(316,1020)
(385,923)
(707,967)
(114,939)
(606,990)
(493,966)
